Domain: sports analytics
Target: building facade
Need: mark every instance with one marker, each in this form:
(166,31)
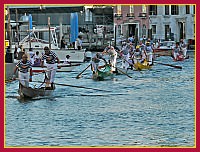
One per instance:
(162,22)
(95,22)
(173,22)
(131,20)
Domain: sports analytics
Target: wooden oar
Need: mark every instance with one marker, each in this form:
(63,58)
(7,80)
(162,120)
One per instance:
(79,75)
(69,85)
(132,65)
(174,66)
(123,72)
(161,54)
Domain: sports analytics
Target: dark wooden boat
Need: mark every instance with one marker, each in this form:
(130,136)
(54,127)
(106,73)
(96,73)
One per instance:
(162,51)
(28,92)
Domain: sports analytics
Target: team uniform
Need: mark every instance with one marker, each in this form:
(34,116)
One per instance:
(31,55)
(149,53)
(183,48)
(138,55)
(24,72)
(37,60)
(51,65)
(125,57)
(176,52)
(95,63)
(113,57)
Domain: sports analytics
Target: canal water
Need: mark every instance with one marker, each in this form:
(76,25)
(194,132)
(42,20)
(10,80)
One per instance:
(154,108)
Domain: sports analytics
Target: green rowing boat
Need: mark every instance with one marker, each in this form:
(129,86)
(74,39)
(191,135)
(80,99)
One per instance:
(103,73)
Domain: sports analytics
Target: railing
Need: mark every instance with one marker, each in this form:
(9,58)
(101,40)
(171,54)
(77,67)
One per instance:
(130,15)
(142,15)
(118,16)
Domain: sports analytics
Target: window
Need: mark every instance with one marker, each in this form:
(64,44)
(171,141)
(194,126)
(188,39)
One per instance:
(193,9)
(131,8)
(144,30)
(153,10)
(153,29)
(166,9)
(144,8)
(174,10)
(88,15)
(187,7)
(167,32)
(119,9)
(119,29)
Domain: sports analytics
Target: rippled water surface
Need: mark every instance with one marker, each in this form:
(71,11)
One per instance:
(154,108)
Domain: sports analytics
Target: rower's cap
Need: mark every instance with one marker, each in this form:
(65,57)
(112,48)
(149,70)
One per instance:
(46,48)
(137,47)
(148,43)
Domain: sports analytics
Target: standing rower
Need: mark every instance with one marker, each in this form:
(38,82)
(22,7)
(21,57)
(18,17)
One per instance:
(51,59)
(125,55)
(149,52)
(183,47)
(110,50)
(138,55)
(23,66)
(95,63)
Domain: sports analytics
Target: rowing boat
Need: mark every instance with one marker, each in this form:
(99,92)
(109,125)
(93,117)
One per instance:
(181,58)
(162,51)
(102,73)
(28,92)
(64,68)
(140,66)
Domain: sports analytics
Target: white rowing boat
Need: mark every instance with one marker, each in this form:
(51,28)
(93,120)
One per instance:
(64,68)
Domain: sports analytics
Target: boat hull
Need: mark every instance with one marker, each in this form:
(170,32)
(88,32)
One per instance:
(162,51)
(102,74)
(77,56)
(28,92)
(141,66)
(64,68)
(181,58)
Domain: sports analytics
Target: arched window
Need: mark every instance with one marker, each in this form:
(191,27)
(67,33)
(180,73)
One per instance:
(119,29)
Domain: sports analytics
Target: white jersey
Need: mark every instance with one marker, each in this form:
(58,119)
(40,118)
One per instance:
(149,49)
(31,55)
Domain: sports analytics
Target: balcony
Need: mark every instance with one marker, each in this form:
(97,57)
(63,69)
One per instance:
(118,16)
(142,15)
(130,15)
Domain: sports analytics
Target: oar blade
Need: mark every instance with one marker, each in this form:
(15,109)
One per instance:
(80,74)
(123,72)
(174,66)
